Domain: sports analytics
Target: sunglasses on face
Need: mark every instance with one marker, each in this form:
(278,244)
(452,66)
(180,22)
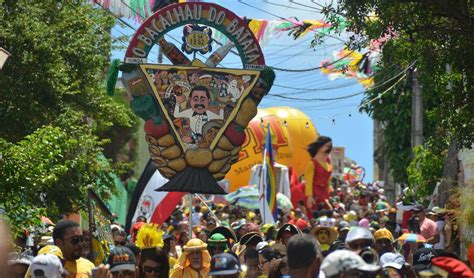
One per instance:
(217,248)
(359,245)
(75,240)
(149,269)
(122,273)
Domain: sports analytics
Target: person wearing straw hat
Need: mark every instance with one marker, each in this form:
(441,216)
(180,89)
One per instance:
(194,262)
(325,236)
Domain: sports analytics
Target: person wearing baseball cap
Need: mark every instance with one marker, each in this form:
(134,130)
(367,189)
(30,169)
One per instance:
(18,263)
(122,262)
(383,241)
(225,265)
(393,260)
(422,258)
(394,265)
(46,265)
(428,228)
(347,263)
(339,244)
(359,238)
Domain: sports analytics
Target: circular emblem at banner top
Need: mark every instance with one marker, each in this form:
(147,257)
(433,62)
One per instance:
(197,38)
(209,14)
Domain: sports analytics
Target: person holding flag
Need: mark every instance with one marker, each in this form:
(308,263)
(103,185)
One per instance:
(267,184)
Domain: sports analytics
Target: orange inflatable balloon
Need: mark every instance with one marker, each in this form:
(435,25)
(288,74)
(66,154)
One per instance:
(291,132)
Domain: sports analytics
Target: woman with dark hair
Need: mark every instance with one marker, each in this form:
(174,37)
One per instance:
(153,263)
(318,173)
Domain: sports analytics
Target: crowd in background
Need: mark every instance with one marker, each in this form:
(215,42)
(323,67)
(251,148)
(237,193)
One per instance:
(355,233)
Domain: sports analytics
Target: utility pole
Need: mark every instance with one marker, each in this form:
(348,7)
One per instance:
(416,111)
(160,55)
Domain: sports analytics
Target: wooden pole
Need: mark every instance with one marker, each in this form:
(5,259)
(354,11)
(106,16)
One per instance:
(190,200)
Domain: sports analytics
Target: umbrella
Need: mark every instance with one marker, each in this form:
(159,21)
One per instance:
(382,206)
(284,203)
(248,197)
(411,237)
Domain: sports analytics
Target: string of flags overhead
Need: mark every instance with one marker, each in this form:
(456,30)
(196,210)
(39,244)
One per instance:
(353,64)
(343,63)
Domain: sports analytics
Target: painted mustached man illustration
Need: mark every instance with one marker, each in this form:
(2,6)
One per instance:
(198,114)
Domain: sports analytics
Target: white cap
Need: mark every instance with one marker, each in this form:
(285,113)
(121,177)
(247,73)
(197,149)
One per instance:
(394,260)
(19,258)
(46,265)
(261,245)
(356,233)
(341,261)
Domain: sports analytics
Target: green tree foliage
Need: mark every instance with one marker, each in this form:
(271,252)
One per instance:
(55,115)
(437,36)
(425,170)
(393,111)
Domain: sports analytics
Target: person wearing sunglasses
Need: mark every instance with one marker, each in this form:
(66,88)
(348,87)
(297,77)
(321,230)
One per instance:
(345,263)
(122,262)
(153,263)
(120,237)
(359,238)
(67,235)
(217,244)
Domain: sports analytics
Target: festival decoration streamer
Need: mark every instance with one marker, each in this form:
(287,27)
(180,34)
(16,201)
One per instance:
(356,65)
(299,29)
(347,67)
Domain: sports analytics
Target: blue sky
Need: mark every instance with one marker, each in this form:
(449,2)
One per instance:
(337,119)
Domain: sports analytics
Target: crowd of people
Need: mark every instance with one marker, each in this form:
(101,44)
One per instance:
(335,229)
(356,233)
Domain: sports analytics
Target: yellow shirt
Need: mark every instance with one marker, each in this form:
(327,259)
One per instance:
(79,268)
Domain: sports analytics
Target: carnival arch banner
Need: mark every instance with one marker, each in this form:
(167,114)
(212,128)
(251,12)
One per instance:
(195,112)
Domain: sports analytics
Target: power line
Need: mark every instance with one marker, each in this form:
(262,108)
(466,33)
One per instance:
(315,99)
(287,7)
(315,68)
(337,86)
(307,6)
(272,67)
(313,1)
(348,96)
(280,17)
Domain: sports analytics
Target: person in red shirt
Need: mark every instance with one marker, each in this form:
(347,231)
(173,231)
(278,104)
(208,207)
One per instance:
(318,173)
(428,228)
